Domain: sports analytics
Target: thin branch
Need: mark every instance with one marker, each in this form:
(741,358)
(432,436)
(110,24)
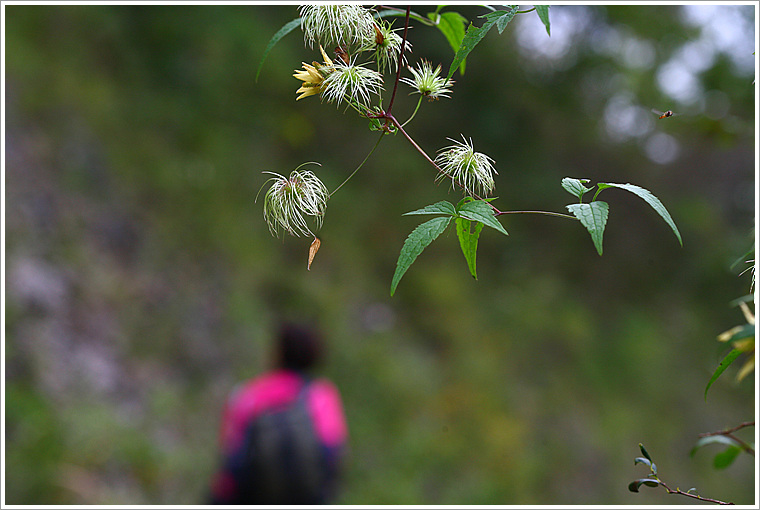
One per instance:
(729,431)
(730,434)
(400,61)
(360,164)
(695,496)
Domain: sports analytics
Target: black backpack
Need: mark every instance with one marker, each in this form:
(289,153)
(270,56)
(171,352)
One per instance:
(283,461)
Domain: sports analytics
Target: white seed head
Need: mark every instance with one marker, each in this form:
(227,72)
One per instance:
(291,198)
(427,81)
(351,82)
(386,46)
(473,171)
(341,25)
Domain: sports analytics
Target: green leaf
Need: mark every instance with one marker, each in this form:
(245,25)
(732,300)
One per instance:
(452,26)
(468,240)
(726,457)
(649,482)
(644,452)
(479,210)
(285,30)
(593,216)
(441,207)
(576,186)
(716,439)
(642,460)
(475,34)
(730,357)
(649,198)
(415,243)
(504,17)
(543,15)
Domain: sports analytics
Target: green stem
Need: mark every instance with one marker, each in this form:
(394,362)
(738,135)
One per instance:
(360,165)
(413,113)
(523,12)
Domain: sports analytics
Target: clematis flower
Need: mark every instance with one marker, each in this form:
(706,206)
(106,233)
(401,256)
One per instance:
(291,198)
(313,76)
(473,171)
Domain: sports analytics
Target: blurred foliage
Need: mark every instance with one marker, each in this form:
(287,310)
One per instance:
(142,282)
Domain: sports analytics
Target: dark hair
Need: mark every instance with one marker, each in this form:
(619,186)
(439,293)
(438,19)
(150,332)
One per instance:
(299,347)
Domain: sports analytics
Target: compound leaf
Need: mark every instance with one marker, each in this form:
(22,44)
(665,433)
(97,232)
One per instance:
(649,198)
(593,216)
(442,207)
(479,210)
(452,26)
(575,186)
(475,34)
(415,243)
(468,240)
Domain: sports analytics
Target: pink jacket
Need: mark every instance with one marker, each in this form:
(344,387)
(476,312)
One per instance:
(275,388)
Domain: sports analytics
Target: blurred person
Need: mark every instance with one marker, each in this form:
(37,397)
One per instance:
(283,433)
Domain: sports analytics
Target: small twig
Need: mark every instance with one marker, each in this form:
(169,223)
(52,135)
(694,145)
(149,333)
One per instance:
(730,434)
(695,496)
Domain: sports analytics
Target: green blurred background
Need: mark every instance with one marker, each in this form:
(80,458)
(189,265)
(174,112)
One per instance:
(142,283)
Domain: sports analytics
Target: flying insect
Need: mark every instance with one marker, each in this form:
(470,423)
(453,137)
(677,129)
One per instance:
(669,113)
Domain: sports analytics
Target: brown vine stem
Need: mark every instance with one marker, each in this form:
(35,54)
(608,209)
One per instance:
(400,60)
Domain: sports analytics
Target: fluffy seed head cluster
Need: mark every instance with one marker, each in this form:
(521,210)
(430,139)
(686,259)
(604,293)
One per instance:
(427,81)
(291,198)
(342,25)
(351,82)
(473,171)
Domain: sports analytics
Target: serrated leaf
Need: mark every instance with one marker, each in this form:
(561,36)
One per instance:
(575,186)
(543,15)
(475,34)
(726,457)
(468,241)
(452,26)
(649,198)
(593,216)
(285,30)
(724,364)
(479,210)
(442,207)
(415,243)
(504,18)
